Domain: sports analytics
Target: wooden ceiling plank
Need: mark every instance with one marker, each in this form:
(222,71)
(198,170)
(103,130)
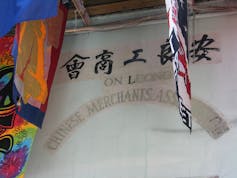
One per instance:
(82,11)
(123,6)
(88,3)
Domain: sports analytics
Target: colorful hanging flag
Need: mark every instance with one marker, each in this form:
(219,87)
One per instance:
(16,134)
(16,11)
(178,38)
(36,50)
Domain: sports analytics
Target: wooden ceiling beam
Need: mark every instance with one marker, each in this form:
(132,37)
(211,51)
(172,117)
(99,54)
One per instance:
(82,11)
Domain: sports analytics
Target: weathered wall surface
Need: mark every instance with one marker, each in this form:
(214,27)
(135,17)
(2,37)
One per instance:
(112,111)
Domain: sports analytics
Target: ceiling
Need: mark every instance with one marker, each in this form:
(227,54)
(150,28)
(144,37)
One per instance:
(100,15)
(104,7)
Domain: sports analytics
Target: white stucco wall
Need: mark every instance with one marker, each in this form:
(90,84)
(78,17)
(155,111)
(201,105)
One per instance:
(141,140)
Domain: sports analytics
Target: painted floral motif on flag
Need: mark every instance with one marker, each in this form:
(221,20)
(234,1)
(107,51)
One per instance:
(16,134)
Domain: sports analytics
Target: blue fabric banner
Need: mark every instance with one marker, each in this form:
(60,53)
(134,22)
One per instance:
(16,11)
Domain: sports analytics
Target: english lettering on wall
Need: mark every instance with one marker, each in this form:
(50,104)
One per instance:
(206,116)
